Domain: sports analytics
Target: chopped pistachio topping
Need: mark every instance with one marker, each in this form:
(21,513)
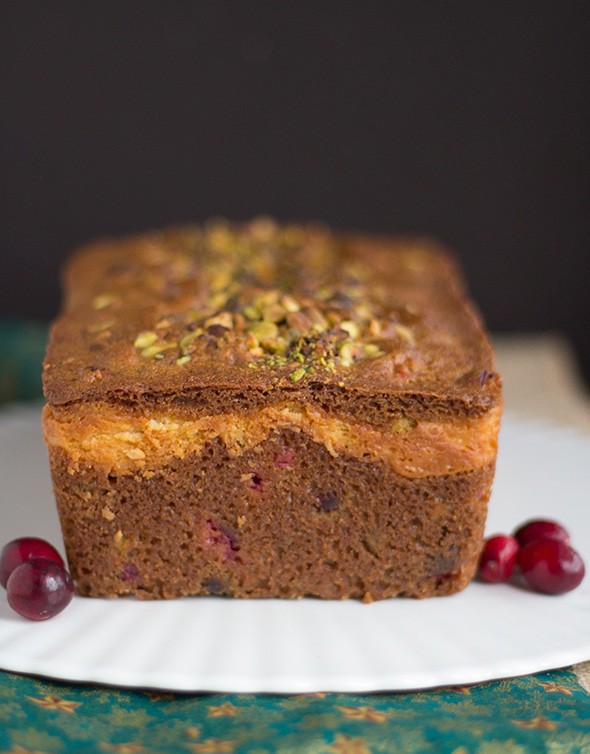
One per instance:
(290,303)
(281,297)
(104,300)
(372,350)
(251,312)
(145,339)
(298,374)
(264,331)
(156,349)
(224,319)
(274,313)
(187,341)
(351,328)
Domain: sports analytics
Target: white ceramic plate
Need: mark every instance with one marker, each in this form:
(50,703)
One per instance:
(213,644)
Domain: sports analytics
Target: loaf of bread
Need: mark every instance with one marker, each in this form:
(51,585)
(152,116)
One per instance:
(255,410)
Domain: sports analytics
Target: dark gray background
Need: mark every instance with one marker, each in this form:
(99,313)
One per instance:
(464,120)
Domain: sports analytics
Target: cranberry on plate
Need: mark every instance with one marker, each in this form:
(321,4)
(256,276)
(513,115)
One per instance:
(551,566)
(25,548)
(532,531)
(39,588)
(498,559)
(538,555)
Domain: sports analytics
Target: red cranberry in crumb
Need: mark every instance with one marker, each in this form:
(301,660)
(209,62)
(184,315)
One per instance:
(327,502)
(551,566)
(498,558)
(532,531)
(256,483)
(284,458)
(220,536)
(130,572)
(20,550)
(39,589)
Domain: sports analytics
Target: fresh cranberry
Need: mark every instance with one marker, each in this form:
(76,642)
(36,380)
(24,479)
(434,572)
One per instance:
(551,566)
(39,589)
(20,550)
(540,529)
(498,558)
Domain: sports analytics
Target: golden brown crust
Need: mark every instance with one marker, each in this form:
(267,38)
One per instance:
(265,411)
(235,312)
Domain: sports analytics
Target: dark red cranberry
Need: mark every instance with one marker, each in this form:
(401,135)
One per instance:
(498,558)
(20,550)
(39,589)
(284,458)
(327,502)
(220,535)
(532,531)
(256,483)
(130,572)
(551,566)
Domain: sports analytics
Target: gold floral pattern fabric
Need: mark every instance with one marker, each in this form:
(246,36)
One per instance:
(548,712)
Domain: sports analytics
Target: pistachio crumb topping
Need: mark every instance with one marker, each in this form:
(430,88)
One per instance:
(104,300)
(145,339)
(156,349)
(298,374)
(283,297)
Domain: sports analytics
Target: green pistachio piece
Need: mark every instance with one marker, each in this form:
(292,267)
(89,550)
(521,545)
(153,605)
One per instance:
(156,349)
(347,354)
(187,340)
(145,339)
(264,331)
(104,300)
(372,350)
(298,374)
(290,303)
(251,312)
(274,313)
(350,327)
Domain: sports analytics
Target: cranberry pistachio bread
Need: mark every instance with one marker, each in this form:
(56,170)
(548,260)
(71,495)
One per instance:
(258,410)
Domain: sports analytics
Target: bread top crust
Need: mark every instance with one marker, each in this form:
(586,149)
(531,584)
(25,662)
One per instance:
(248,312)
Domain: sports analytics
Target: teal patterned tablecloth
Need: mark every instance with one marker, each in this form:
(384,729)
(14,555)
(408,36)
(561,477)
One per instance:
(547,712)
